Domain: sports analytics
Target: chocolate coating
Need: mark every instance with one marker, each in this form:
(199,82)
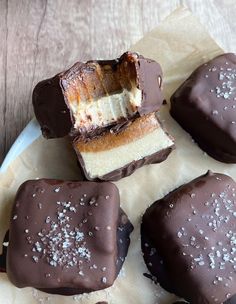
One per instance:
(124,230)
(50,97)
(64,236)
(149,76)
(231,300)
(193,229)
(205,106)
(3,256)
(154,263)
(130,168)
(50,108)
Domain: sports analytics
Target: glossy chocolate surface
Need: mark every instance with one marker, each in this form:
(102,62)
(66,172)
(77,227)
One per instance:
(205,106)
(64,236)
(50,108)
(3,256)
(192,232)
(92,80)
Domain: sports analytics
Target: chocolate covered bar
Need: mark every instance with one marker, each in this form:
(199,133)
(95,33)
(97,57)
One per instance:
(92,96)
(230,301)
(205,106)
(116,155)
(193,231)
(67,237)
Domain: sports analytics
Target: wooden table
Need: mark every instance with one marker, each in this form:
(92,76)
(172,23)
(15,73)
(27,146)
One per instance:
(42,37)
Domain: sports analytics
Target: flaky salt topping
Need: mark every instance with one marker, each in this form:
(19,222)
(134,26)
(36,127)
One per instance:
(216,252)
(227,81)
(225,88)
(61,244)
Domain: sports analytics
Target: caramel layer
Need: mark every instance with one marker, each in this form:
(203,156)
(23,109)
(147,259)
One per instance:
(100,93)
(99,80)
(136,130)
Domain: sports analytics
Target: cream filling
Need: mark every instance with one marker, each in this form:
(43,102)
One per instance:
(100,163)
(105,110)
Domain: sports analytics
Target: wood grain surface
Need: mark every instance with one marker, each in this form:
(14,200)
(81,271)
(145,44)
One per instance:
(42,37)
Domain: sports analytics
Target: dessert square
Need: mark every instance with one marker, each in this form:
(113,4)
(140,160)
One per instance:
(116,155)
(63,236)
(92,96)
(193,230)
(205,106)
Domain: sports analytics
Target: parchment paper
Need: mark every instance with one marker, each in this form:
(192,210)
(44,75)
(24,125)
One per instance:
(180,44)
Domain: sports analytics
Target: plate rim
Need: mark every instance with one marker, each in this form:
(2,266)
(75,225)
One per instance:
(27,136)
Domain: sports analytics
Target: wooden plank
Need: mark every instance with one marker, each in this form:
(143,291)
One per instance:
(42,37)
(3,75)
(24,22)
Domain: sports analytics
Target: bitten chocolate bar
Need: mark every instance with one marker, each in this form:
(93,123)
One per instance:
(67,237)
(193,231)
(205,106)
(92,96)
(116,155)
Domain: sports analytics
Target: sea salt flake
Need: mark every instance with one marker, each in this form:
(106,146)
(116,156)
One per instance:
(179,234)
(35,258)
(104,280)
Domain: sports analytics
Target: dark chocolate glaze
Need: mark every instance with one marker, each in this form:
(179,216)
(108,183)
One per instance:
(155,263)
(64,236)
(149,75)
(52,107)
(120,125)
(230,301)
(3,256)
(193,229)
(205,106)
(124,230)
(129,169)
(157,268)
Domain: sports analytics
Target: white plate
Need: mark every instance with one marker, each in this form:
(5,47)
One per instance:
(30,133)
